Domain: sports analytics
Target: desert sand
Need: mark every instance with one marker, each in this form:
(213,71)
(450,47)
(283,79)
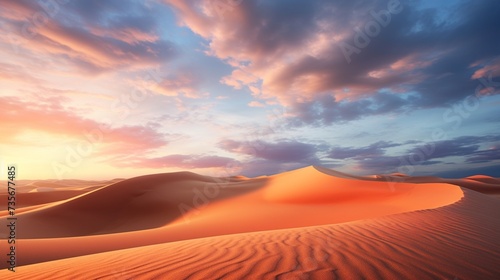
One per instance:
(310,223)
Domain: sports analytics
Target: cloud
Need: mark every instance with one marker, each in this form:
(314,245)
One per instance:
(289,51)
(180,161)
(49,115)
(378,164)
(373,150)
(326,110)
(461,146)
(13,73)
(94,40)
(183,81)
(262,167)
(374,158)
(255,104)
(493,171)
(274,157)
(487,68)
(19,10)
(492,154)
(238,79)
(281,151)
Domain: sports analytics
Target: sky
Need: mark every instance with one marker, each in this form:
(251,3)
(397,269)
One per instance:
(101,89)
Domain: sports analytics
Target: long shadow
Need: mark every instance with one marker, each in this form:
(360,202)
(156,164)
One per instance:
(139,203)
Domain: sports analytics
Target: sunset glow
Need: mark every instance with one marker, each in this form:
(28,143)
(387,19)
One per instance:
(249,139)
(106,89)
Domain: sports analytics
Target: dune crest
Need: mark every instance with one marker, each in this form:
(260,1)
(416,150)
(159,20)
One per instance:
(312,222)
(450,242)
(314,185)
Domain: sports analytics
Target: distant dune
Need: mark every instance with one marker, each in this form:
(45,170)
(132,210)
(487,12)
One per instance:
(484,179)
(310,223)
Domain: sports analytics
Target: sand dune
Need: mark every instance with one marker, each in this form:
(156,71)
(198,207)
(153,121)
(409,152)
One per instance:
(35,198)
(484,179)
(311,223)
(135,204)
(305,197)
(479,183)
(451,242)
(24,186)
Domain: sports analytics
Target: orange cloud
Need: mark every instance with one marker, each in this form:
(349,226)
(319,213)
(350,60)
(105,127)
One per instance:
(87,46)
(179,161)
(50,116)
(491,68)
(289,56)
(183,82)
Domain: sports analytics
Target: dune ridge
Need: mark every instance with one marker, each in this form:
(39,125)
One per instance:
(134,204)
(450,242)
(310,223)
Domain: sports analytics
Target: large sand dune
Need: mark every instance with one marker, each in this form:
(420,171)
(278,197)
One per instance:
(310,223)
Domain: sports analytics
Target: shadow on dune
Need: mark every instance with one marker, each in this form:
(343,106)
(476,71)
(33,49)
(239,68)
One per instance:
(479,183)
(138,203)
